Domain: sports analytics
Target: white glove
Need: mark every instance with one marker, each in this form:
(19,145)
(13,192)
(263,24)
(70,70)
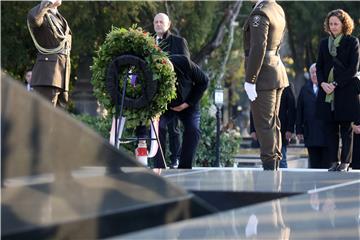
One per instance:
(250,90)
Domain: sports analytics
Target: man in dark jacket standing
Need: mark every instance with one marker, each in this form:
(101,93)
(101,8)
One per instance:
(308,126)
(287,115)
(52,38)
(171,44)
(265,76)
(192,83)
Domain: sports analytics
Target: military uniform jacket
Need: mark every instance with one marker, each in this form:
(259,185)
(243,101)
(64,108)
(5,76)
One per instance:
(50,30)
(263,33)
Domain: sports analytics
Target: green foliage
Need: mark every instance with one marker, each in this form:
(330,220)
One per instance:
(17,50)
(122,41)
(311,14)
(229,143)
(196,20)
(102,125)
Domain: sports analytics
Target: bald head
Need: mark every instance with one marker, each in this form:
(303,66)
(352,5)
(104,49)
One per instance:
(161,24)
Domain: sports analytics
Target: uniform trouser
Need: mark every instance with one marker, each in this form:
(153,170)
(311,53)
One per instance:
(57,96)
(265,110)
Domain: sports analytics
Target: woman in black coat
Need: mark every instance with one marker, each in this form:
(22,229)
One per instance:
(338,101)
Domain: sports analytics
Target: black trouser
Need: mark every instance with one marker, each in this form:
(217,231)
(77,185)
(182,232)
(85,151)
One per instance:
(333,132)
(356,152)
(174,139)
(318,157)
(190,119)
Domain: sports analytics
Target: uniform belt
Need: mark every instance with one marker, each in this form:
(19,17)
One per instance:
(271,53)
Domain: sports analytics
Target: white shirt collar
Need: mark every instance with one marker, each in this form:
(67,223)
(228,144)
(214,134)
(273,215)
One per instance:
(315,87)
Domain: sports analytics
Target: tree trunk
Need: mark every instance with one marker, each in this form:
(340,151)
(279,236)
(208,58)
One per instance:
(230,15)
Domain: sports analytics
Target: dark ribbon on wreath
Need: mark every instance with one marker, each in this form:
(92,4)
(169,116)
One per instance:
(148,87)
(119,98)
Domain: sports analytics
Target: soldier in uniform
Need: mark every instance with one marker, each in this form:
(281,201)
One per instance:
(265,76)
(52,38)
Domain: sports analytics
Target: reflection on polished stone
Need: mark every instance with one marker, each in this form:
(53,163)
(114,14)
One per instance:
(57,186)
(243,180)
(61,180)
(328,206)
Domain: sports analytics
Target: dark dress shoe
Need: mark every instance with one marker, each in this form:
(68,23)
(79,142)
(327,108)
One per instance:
(334,167)
(343,167)
(174,165)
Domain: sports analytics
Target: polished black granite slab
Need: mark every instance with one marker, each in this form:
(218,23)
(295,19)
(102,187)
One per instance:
(48,190)
(94,206)
(328,208)
(60,180)
(257,180)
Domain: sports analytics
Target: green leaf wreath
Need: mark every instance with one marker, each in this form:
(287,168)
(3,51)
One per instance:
(135,41)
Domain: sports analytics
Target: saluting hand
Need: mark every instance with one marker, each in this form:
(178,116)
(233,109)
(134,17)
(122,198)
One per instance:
(54,3)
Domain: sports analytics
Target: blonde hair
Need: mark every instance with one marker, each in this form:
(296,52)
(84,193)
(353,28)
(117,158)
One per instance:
(345,19)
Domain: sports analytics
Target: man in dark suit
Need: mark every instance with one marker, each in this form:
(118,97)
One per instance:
(287,115)
(192,83)
(265,76)
(171,44)
(52,38)
(308,127)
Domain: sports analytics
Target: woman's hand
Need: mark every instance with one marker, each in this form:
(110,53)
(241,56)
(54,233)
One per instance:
(327,87)
(356,129)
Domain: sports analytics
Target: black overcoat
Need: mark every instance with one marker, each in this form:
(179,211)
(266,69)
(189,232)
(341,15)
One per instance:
(346,102)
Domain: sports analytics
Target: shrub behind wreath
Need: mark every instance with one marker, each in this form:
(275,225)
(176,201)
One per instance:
(151,81)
